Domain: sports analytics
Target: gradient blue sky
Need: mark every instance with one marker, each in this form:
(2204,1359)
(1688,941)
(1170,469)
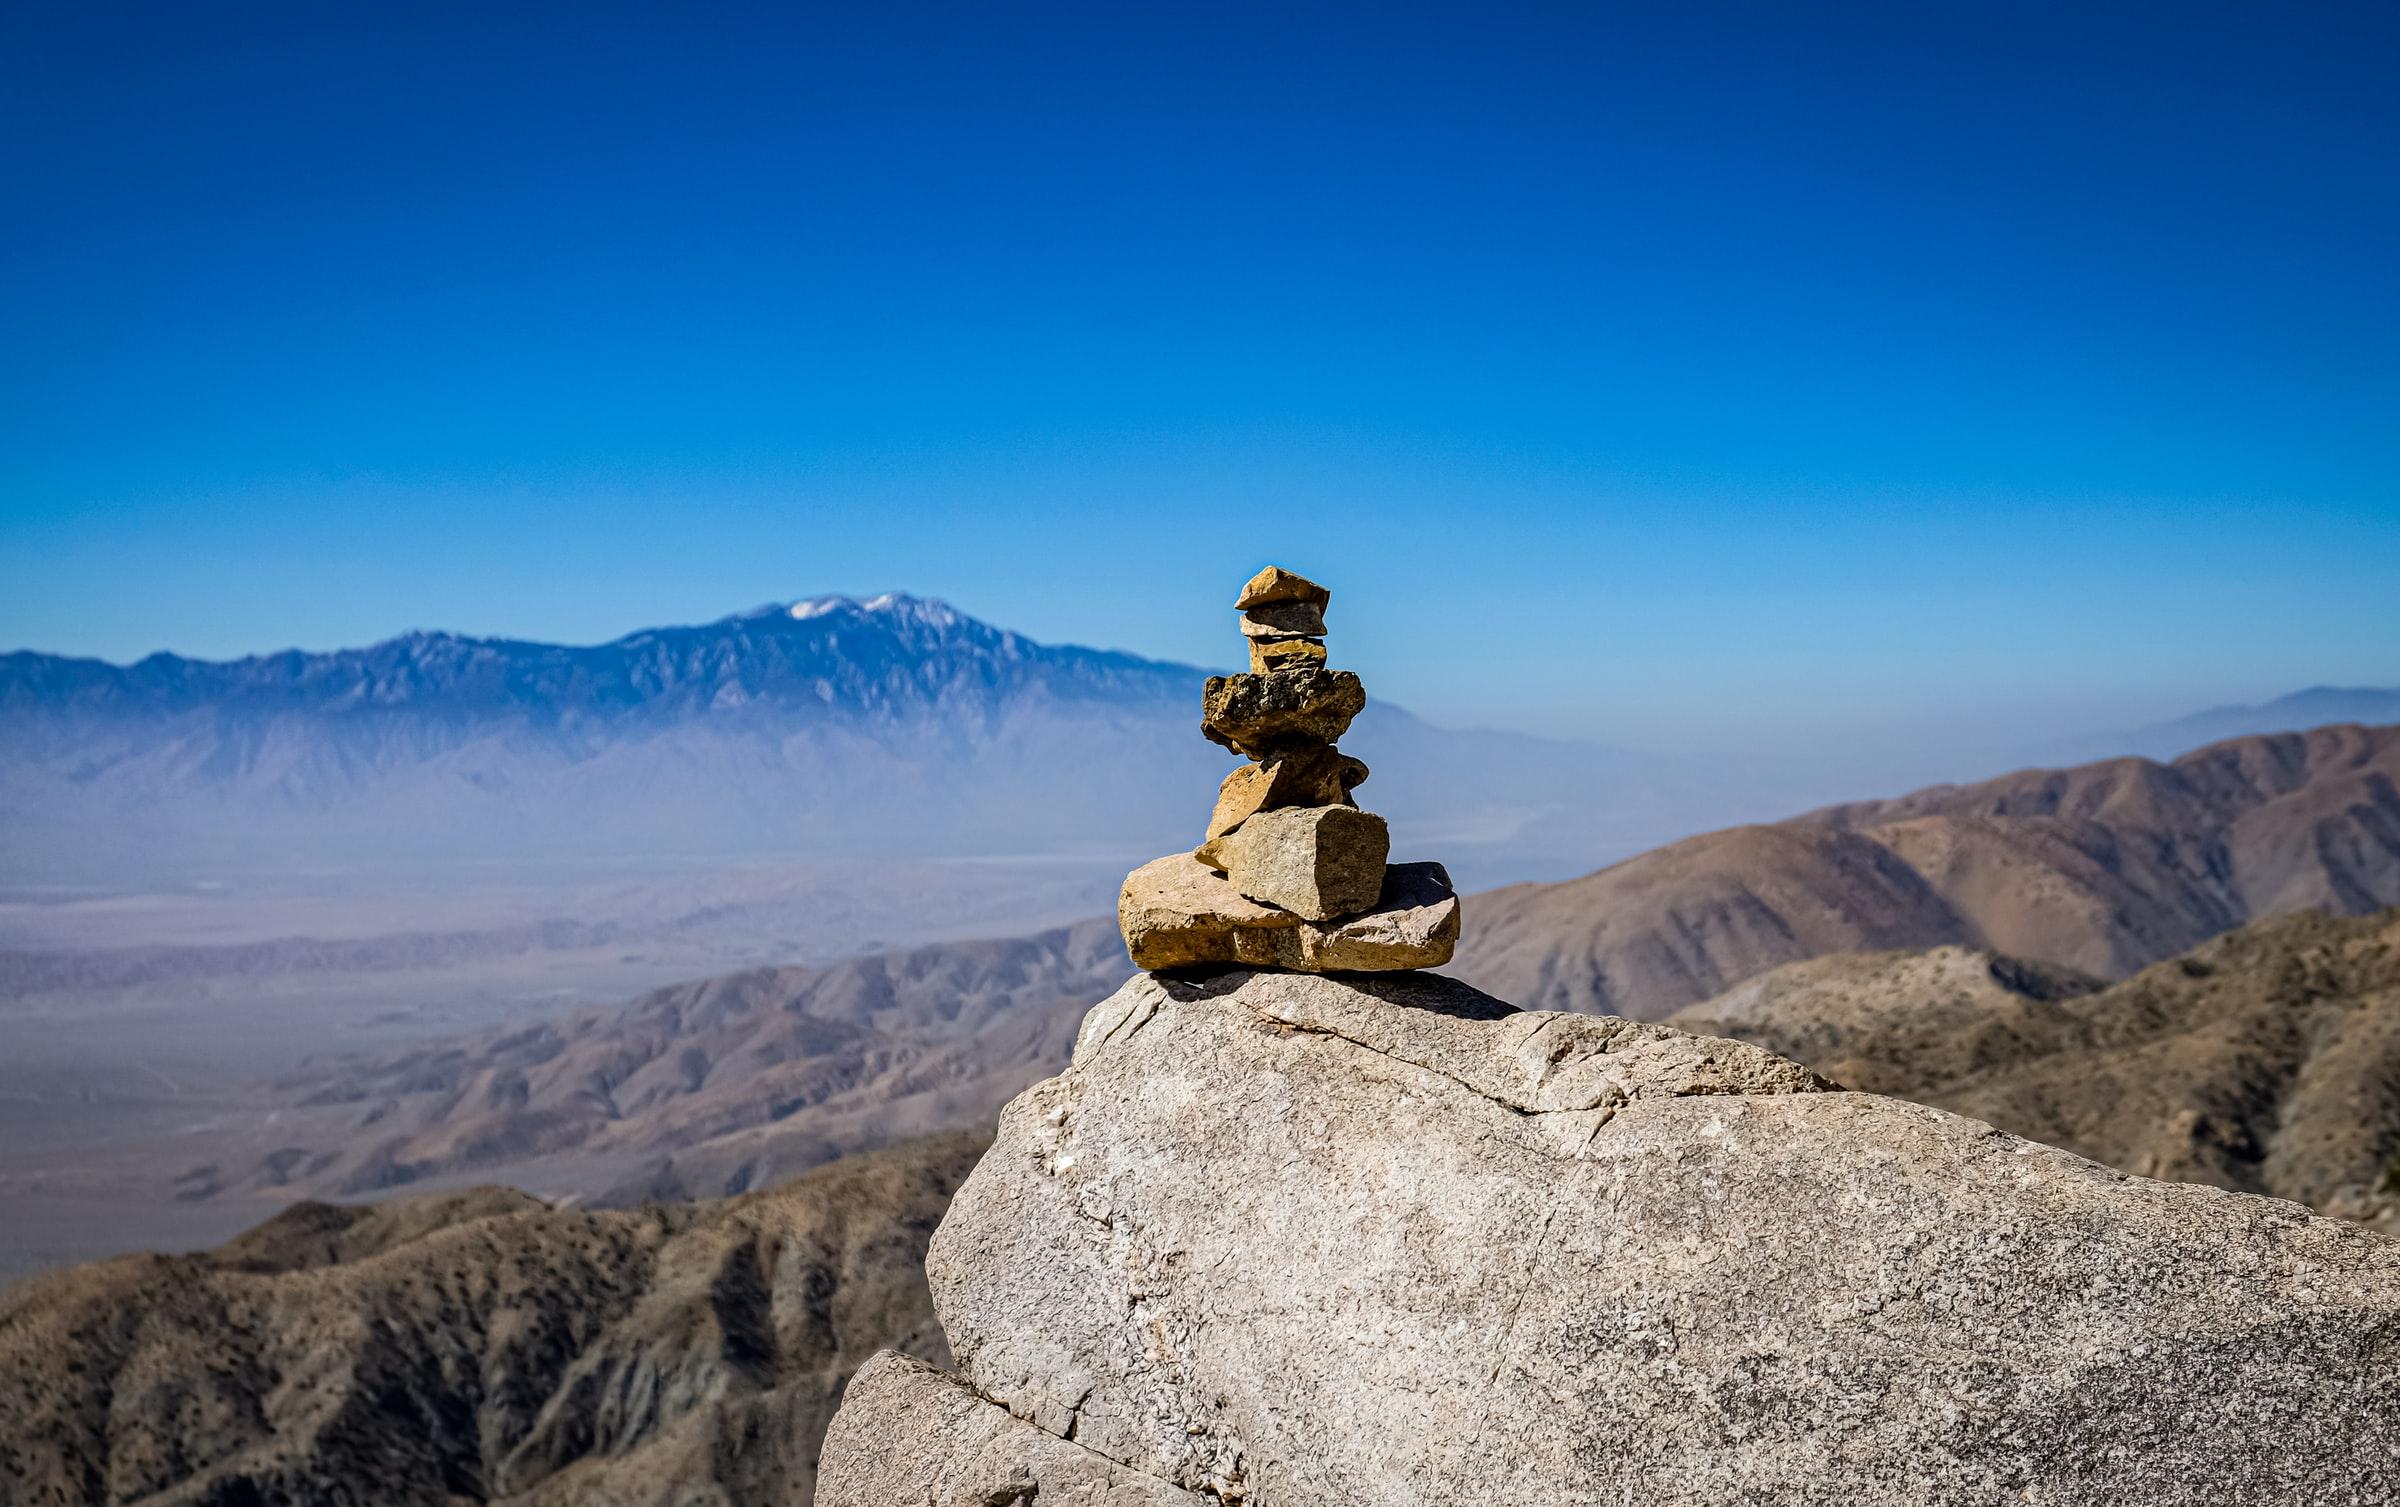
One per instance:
(1679,375)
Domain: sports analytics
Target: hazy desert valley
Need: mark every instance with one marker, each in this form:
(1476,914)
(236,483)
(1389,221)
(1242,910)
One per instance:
(586,1162)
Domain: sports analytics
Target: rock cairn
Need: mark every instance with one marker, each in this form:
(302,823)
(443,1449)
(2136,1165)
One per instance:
(1291,873)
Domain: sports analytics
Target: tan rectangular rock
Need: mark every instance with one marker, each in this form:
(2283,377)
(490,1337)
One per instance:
(1268,655)
(1284,620)
(1317,862)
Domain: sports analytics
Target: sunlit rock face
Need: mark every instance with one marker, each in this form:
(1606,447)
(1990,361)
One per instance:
(1287,1239)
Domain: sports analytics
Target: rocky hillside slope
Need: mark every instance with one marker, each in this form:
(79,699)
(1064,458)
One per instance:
(696,1090)
(1379,1242)
(723,1084)
(2266,1061)
(2103,869)
(476,1348)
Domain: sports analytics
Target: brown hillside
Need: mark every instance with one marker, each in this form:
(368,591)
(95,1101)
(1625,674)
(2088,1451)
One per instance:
(1690,918)
(726,1084)
(2266,1061)
(477,1348)
(699,1089)
(2104,869)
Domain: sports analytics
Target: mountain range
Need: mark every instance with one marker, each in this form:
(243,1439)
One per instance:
(889,725)
(2318,706)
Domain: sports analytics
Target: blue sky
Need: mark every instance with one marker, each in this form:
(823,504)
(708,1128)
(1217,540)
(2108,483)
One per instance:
(1681,375)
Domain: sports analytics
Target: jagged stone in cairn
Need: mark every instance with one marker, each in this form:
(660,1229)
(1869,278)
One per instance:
(1176,912)
(1284,620)
(1259,715)
(1267,655)
(1275,584)
(1291,874)
(1306,777)
(1317,862)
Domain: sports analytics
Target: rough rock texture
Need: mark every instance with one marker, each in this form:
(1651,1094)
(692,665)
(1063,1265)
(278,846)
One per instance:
(1275,584)
(909,1436)
(1258,715)
(1317,862)
(1369,1243)
(476,1347)
(1303,777)
(2266,1061)
(1284,620)
(1176,912)
(2105,869)
(1268,655)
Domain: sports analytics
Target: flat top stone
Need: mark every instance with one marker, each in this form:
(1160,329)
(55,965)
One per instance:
(1275,584)
(1181,886)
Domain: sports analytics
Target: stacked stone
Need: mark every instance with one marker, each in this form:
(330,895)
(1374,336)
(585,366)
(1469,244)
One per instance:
(1291,873)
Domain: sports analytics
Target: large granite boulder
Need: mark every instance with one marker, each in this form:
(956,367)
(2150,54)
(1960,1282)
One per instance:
(1361,1242)
(909,1436)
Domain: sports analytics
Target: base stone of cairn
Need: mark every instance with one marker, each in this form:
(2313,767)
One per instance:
(1177,912)
(1290,874)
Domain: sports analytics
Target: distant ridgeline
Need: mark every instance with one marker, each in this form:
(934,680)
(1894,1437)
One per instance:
(891,725)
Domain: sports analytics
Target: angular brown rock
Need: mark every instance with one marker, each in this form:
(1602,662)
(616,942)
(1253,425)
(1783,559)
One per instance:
(1267,655)
(1284,620)
(1177,913)
(1318,862)
(1258,715)
(1303,777)
(1275,584)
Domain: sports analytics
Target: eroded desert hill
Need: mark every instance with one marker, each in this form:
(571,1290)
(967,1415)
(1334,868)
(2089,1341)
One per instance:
(699,1089)
(727,1083)
(616,1356)
(2104,868)
(478,1347)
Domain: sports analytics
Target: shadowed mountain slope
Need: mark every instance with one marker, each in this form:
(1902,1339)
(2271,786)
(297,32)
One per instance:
(2102,869)
(716,1086)
(477,1348)
(2265,1061)
(699,1089)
